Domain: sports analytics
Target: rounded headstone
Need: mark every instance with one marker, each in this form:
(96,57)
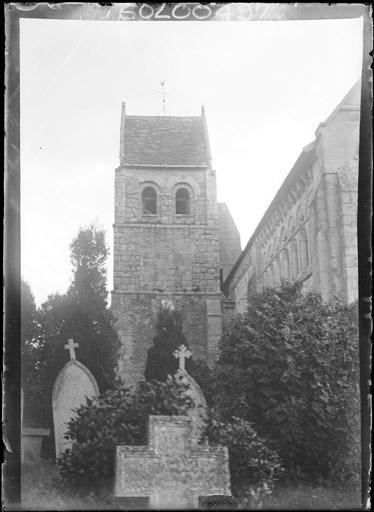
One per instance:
(74,384)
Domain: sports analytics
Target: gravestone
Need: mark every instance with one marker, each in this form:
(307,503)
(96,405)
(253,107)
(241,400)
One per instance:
(73,385)
(171,471)
(182,353)
(198,413)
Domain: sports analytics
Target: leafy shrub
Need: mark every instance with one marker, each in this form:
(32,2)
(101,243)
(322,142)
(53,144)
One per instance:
(290,367)
(252,463)
(118,417)
(200,371)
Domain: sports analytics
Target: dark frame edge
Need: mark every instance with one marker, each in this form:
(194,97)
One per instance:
(364,242)
(11,266)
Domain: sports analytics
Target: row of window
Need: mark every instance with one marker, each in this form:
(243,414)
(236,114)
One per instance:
(149,201)
(290,261)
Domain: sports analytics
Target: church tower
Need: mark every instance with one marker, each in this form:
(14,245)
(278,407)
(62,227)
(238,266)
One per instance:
(166,236)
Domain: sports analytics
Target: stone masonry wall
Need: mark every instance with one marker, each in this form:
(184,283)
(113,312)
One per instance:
(165,257)
(338,153)
(137,314)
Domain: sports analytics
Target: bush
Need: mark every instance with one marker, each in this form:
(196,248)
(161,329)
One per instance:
(200,371)
(118,417)
(252,463)
(290,367)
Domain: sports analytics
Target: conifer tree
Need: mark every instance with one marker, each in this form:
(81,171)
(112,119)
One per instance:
(92,321)
(33,403)
(169,336)
(160,357)
(82,314)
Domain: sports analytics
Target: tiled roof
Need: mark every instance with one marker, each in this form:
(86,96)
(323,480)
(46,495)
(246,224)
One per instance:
(164,140)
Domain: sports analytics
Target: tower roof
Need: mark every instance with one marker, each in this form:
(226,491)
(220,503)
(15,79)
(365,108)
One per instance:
(164,141)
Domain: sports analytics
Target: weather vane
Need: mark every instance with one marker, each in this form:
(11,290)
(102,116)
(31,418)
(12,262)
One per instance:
(164,94)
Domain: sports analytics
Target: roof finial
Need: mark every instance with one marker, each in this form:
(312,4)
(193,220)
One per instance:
(164,94)
(122,133)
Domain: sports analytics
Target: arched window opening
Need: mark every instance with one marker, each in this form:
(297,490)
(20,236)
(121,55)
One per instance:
(265,277)
(304,250)
(149,201)
(277,272)
(182,202)
(294,260)
(271,281)
(252,286)
(285,265)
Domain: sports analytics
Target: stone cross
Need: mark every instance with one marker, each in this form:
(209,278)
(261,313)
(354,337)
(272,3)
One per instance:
(182,353)
(171,472)
(70,347)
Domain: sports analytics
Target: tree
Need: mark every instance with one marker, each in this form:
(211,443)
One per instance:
(161,362)
(88,257)
(290,367)
(92,321)
(168,337)
(30,359)
(82,314)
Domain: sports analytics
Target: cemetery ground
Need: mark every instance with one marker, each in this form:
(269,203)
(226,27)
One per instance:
(41,494)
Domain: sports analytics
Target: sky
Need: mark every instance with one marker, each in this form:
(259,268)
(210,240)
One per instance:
(265,86)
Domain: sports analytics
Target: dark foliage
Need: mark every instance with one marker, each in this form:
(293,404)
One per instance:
(168,337)
(290,367)
(200,371)
(251,461)
(161,362)
(82,314)
(33,403)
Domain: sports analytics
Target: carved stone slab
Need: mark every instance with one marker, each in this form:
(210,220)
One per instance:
(171,471)
(73,385)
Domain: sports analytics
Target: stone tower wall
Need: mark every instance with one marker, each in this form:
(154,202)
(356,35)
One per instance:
(165,257)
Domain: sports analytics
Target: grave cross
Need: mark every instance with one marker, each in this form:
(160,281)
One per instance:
(182,353)
(171,472)
(70,347)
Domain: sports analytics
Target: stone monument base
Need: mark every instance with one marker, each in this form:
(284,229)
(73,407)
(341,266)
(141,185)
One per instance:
(32,443)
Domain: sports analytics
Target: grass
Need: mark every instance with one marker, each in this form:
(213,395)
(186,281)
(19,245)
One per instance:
(39,493)
(304,497)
